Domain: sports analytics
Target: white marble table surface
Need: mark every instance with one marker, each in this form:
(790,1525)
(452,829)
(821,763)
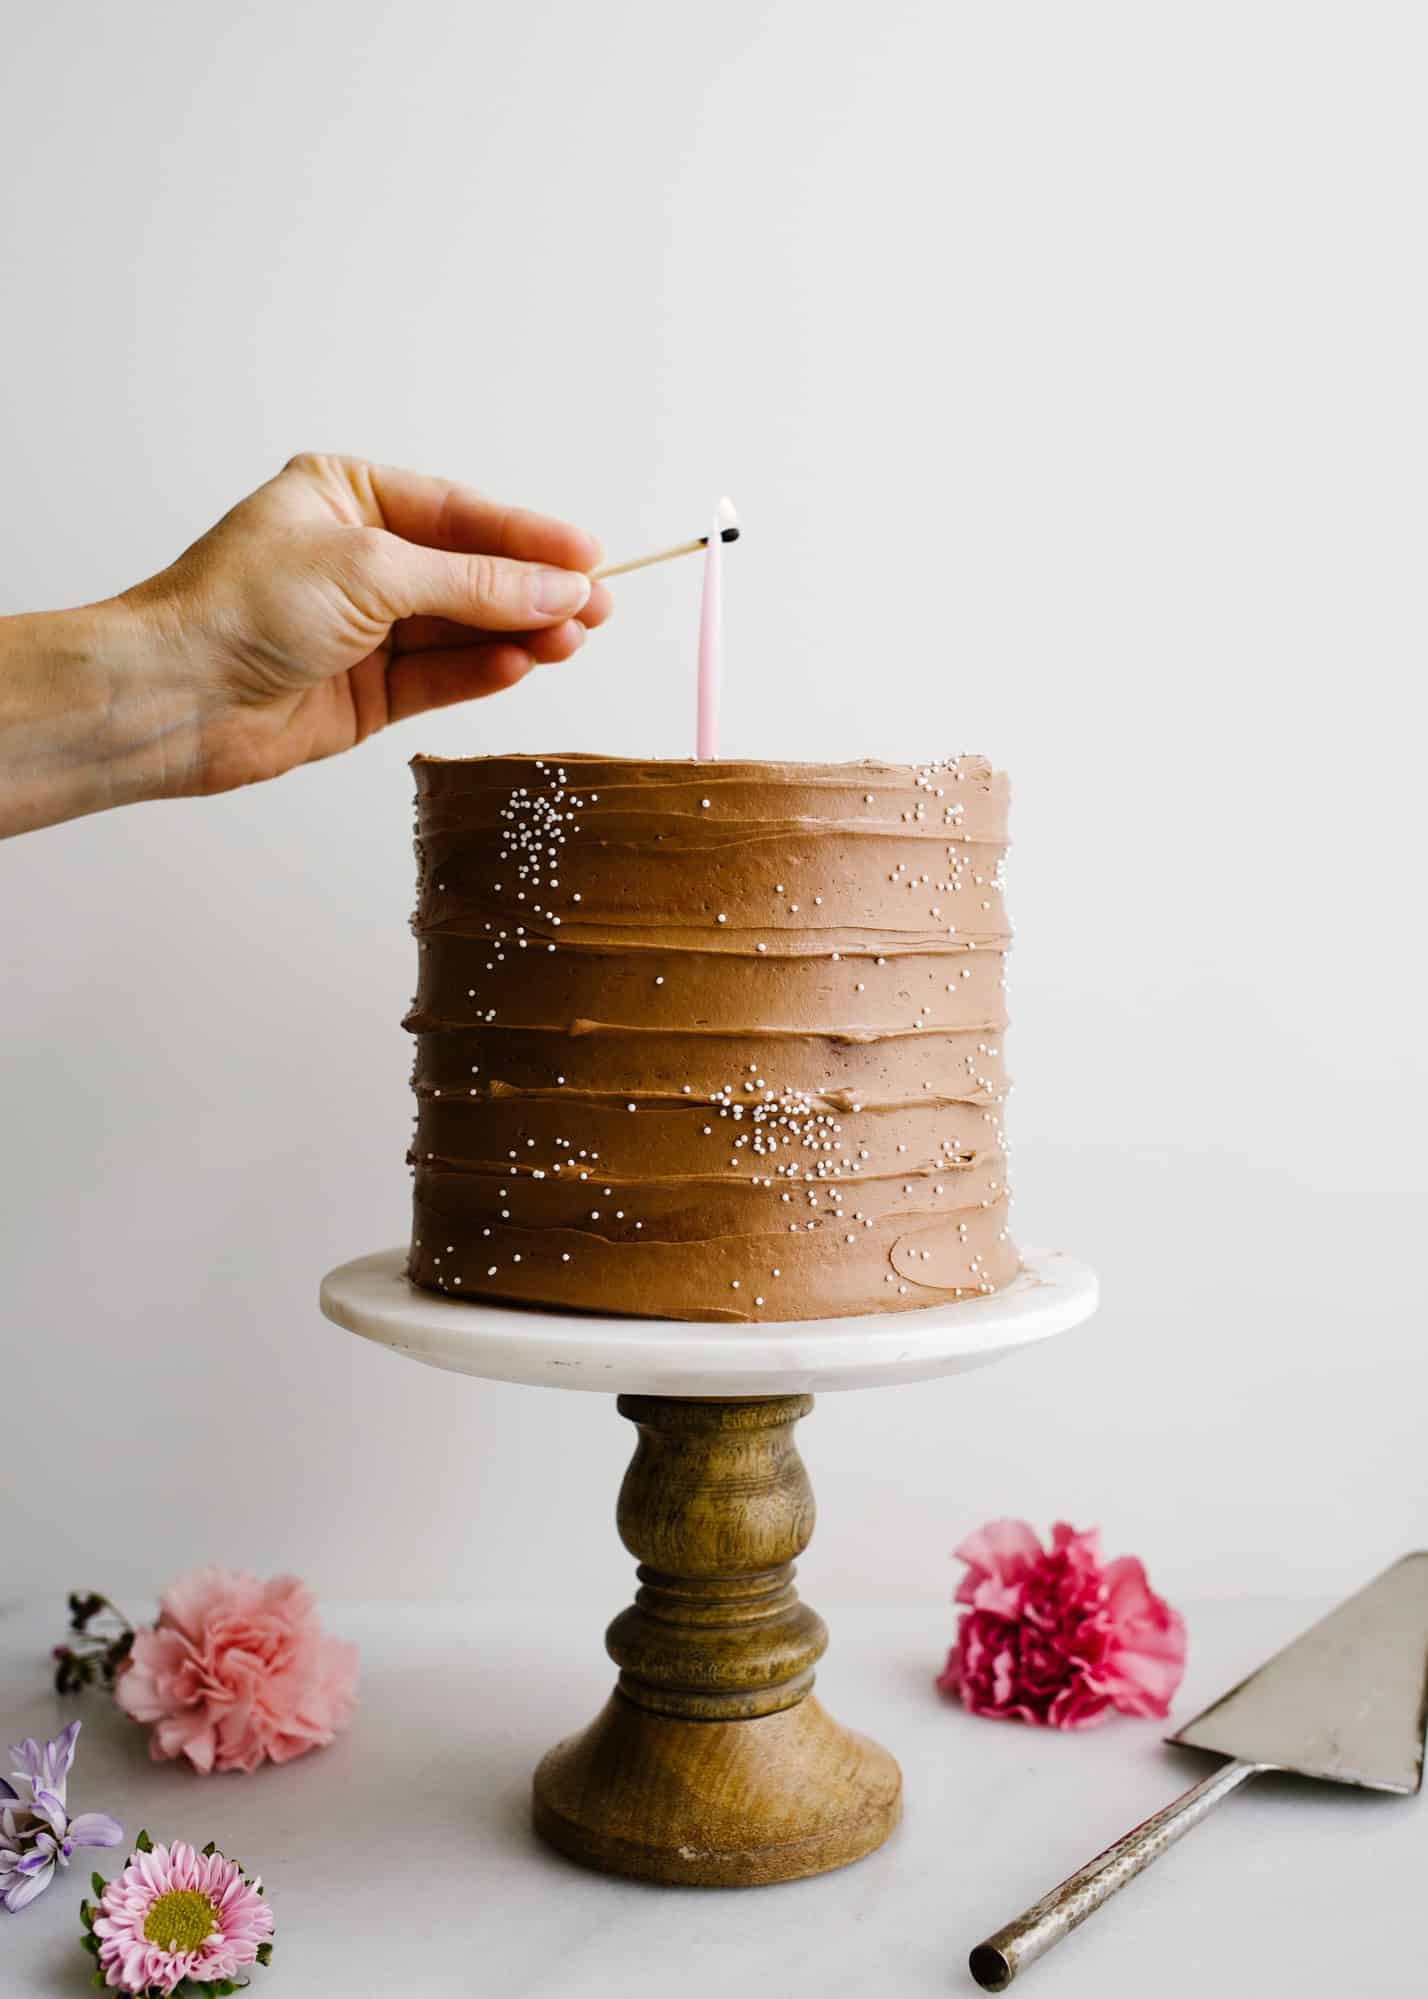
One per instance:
(400,1861)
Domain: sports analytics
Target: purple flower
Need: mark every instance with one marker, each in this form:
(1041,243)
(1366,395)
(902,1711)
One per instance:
(37,1835)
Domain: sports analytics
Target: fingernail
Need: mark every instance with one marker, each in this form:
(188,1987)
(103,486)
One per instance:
(559,593)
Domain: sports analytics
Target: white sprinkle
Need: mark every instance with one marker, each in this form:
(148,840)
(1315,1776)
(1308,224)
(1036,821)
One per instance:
(705,803)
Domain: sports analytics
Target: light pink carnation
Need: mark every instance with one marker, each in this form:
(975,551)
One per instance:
(1057,1637)
(175,1914)
(238,1670)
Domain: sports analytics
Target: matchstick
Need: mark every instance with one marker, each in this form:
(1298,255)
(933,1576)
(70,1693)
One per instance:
(728,532)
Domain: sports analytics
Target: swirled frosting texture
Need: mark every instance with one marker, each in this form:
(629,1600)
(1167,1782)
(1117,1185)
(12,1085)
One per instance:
(709,1040)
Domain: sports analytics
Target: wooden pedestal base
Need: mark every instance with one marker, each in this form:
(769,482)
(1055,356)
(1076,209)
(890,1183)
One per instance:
(711,1764)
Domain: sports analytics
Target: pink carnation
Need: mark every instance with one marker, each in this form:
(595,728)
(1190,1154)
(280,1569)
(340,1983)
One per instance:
(1059,1638)
(237,1670)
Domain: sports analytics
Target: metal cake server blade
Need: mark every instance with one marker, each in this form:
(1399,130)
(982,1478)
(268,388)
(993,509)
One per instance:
(1346,1702)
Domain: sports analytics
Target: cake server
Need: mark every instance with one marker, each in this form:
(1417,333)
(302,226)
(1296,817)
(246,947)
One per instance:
(1347,1702)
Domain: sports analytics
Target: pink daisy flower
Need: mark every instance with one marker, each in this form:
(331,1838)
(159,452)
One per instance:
(174,1914)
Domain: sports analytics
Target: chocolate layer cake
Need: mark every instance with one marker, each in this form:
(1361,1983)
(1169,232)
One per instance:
(709,1040)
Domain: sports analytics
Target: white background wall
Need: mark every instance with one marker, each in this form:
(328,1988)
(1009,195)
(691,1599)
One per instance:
(1067,364)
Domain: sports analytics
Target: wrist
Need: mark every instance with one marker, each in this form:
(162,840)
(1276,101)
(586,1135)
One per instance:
(96,710)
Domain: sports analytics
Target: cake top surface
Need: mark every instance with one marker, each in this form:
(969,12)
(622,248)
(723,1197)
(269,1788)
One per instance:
(718,768)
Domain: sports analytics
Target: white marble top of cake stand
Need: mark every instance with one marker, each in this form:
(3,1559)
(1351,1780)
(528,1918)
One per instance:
(372,1296)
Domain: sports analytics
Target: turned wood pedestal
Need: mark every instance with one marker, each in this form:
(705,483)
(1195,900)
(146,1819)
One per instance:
(712,1763)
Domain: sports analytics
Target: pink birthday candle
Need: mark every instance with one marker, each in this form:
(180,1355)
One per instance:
(711,634)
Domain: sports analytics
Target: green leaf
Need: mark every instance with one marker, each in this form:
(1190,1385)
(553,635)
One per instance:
(210,1849)
(99,1980)
(86,1915)
(143,1844)
(90,1943)
(265,1953)
(98,1883)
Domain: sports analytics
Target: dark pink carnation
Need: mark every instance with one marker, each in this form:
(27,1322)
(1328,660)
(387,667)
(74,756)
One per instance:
(1058,1637)
(236,1672)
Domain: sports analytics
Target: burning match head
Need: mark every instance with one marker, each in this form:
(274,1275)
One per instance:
(728,521)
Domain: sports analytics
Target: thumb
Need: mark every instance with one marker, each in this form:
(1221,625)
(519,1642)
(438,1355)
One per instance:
(491,592)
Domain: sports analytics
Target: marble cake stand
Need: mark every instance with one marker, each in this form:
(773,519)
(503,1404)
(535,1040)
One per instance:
(712,1763)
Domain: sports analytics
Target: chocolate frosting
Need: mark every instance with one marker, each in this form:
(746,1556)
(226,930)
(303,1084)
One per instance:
(709,1040)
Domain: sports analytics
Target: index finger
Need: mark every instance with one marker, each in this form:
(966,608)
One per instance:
(439,513)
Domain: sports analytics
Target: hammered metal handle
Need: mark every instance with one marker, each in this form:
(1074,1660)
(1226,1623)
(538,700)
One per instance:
(995,1963)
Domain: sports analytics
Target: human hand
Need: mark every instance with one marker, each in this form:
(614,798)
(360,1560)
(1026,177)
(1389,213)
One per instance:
(342,596)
